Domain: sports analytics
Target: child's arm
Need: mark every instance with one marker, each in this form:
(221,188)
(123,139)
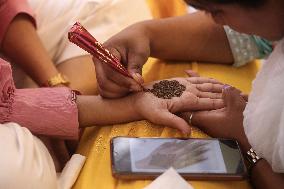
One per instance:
(20,43)
(95,110)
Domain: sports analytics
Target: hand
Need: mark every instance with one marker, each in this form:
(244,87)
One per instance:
(200,94)
(174,154)
(132,48)
(226,122)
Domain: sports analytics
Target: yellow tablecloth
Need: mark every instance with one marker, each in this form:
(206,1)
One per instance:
(95,141)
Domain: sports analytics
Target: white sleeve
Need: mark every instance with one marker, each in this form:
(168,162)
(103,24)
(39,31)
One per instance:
(264,113)
(25,161)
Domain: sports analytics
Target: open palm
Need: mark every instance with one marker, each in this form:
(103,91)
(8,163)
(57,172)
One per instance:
(200,94)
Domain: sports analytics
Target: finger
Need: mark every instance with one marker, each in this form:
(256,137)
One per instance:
(187,161)
(120,79)
(123,81)
(233,99)
(168,119)
(132,61)
(192,73)
(138,78)
(135,64)
(209,95)
(107,86)
(190,102)
(116,53)
(182,144)
(200,80)
(191,148)
(245,96)
(195,153)
(209,87)
(206,104)
(113,80)
(206,120)
(135,70)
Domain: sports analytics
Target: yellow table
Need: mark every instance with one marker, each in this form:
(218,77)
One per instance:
(95,141)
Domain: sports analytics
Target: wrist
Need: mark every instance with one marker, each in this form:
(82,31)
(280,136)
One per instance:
(95,110)
(134,107)
(249,154)
(147,29)
(244,144)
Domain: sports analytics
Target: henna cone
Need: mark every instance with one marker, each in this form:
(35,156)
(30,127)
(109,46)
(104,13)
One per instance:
(82,38)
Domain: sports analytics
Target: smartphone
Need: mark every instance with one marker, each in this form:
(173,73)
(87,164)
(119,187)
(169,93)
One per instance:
(195,159)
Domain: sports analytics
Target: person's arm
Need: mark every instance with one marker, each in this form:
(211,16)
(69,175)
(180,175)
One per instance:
(228,123)
(263,177)
(58,112)
(20,43)
(261,174)
(191,37)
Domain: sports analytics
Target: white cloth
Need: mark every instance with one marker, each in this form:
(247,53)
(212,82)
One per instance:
(26,162)
(264,114)
(169,180)
(102,18)
(71,171)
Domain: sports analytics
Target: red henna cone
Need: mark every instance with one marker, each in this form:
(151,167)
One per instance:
(82,38)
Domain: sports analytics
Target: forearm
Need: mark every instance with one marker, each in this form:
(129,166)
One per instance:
(192,37)
(262,175)
(95,110)
(23,47)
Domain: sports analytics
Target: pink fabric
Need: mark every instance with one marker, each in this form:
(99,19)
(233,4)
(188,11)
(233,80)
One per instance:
(44,111)
(8,10)
(48,113)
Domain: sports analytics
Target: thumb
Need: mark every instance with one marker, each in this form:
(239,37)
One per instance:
(201,118)
(121,57)
(232,98)
(116,53)
(168,119)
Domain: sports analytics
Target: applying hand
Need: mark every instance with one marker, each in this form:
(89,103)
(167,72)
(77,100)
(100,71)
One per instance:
(132,48)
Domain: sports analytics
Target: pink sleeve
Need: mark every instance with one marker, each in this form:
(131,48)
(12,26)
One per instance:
(44,111)
(8,10)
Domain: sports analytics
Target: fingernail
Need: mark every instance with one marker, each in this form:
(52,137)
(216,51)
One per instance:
(225,87)
(186,132)
(138,78)
(135,88)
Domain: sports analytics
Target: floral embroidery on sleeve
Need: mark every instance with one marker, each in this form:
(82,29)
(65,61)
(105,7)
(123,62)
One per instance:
(7,89)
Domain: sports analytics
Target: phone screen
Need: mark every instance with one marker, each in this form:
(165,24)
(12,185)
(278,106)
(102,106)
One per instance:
(196,156)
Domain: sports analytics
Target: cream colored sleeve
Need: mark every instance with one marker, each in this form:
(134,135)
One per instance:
(25,161)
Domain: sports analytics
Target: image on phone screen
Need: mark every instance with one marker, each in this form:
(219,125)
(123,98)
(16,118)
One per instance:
(183,155)
(190,156)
